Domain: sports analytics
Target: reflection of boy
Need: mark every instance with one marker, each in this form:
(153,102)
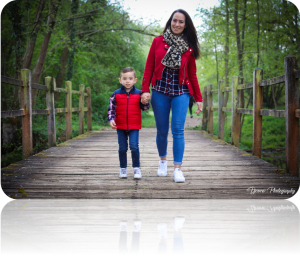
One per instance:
(124,114)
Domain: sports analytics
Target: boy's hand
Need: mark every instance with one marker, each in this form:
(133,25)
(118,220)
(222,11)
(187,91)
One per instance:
(112,124)
(145,98)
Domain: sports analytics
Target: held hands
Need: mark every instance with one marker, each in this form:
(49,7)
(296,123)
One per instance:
(112,124)
(199,107)
(145,98)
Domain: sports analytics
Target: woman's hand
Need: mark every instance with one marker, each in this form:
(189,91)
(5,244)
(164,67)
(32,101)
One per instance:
(199,104)
(145,98)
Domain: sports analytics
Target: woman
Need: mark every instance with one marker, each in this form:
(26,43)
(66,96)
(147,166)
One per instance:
(171,69)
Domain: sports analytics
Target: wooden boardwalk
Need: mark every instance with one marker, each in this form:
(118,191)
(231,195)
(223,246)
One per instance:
(87,167)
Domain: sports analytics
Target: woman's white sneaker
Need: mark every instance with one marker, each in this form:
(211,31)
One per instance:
(162,230)
(162,168)
(178,176)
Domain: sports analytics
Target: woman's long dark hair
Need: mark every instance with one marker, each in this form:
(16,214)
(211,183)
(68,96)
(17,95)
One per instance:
(189,33)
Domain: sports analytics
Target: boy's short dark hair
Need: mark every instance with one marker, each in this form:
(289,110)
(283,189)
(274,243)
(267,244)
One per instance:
(126,70)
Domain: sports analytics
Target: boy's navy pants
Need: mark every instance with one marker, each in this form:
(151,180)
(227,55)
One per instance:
(133,136)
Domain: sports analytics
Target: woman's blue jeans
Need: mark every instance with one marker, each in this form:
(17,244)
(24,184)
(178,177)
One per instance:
(162,104)
(178,248)
(133,145)
(135,244)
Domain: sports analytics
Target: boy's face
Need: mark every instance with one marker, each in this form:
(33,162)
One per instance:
(128,79)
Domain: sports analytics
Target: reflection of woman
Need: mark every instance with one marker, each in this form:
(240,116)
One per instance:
(171,69)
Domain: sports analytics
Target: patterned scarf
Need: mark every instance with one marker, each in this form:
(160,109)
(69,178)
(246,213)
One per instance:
(177,44)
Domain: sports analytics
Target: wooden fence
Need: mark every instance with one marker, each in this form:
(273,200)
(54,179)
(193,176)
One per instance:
(26,110)
(291,112)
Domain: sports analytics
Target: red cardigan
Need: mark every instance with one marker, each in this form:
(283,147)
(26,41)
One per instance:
(154,68)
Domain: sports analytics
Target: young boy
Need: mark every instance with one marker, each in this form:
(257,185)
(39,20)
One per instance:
(124,114)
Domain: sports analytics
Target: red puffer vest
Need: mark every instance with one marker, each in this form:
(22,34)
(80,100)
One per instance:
(128,111)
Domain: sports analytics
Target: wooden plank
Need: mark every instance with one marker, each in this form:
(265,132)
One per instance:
(273,81)
(245,111)
(38,86)
(75,109)
(224,109)
(60,90)
(214,91)
(297,113)
(214,109)
(61,110)
(245,86)
(292,122)
(273,113)
(76,92)
(7,114)
(227,89)
(11,81)
(40,112)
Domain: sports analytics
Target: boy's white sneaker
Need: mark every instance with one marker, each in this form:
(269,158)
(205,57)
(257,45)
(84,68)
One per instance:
(123,173)
(137,173)
(162,168)
(178,176)
(178,223)
(137,226)
(162,230)
(123,226)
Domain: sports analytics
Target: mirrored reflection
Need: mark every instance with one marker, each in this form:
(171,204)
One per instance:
(79,228)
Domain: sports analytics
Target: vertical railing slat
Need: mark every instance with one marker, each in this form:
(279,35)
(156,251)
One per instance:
(81,110)
(221,115)
(89,106)
(69,112)
(236,117)
(50,83)
(209,108)
(26,104)
(257,118)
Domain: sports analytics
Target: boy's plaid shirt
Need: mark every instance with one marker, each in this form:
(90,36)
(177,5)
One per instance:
(111,113)
(169,83)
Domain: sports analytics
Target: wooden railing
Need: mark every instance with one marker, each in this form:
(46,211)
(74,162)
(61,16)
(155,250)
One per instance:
(26,110)
(291,112)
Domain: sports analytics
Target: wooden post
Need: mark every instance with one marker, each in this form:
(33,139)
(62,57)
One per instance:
(89,106)
(292,239)
(236,117)
(291,122)
(50,83)
(209,108)
(204,118)
(256,250)
(221,114)
(69,110)
(27,148)
(257,118)
(81,110)
(27,248)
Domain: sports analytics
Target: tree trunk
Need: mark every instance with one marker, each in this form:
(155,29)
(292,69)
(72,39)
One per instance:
(226,55)
(54,4)
(258,34)
(34,33)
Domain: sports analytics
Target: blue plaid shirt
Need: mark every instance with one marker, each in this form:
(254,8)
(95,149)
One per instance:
(169,83)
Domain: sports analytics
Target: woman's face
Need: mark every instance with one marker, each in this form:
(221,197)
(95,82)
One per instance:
(178,23)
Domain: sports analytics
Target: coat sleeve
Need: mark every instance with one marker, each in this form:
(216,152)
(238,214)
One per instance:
(192,75)
(149,68)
